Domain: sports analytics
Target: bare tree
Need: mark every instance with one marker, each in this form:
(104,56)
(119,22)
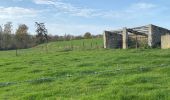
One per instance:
(7,37)
(1,35)
(1,29)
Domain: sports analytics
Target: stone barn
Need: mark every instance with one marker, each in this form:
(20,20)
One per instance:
(149,35)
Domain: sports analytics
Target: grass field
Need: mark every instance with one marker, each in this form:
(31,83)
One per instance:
(84,73)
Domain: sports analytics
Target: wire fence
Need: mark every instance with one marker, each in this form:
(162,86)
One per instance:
(77,44)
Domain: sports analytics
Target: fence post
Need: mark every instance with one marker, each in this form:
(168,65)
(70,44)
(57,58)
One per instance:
(71,46)
(91,45)
(83,45)
(136,41)
(16,52)
(96,45)
(46,47)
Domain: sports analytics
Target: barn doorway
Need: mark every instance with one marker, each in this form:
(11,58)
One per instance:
(137,41)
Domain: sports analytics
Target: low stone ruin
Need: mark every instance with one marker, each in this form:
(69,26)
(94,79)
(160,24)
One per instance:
(149,35)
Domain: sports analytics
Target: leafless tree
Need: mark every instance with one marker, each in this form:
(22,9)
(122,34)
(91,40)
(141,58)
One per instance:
(1,35)
(7,37)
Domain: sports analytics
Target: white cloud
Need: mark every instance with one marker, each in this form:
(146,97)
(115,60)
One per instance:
(16,12)
(17,0)
(44,1)
(76,29)
(143,5)
(134,10)
(69,8)
(141,8)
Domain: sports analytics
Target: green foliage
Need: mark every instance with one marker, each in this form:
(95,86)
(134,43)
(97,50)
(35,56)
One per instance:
(20,40)
(87,35)
(41,31)
(85,74)
(22,37)
(6,37)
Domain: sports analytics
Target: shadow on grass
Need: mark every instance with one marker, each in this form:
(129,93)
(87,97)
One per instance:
(41,80)
(6,84)
(36,71)
(85,65)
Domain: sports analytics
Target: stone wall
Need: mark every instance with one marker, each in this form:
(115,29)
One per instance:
(156,33)
(165,41)
(112,40)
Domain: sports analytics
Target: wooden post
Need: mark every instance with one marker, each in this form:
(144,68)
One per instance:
(16,52)
(46,47)
(83,45)
(96,45)
(71,45)
(91,45)
(136,39)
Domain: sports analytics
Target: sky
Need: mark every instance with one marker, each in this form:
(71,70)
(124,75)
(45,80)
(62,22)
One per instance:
(79,16)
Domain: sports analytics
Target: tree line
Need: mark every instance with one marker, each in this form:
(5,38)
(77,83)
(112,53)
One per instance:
(21,39)
(68,37)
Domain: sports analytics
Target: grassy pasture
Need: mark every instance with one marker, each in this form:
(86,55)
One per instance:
(84,73)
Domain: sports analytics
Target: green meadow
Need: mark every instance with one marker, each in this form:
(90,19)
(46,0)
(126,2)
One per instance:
(83,70)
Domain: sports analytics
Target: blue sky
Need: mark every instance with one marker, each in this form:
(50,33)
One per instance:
(79,16)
